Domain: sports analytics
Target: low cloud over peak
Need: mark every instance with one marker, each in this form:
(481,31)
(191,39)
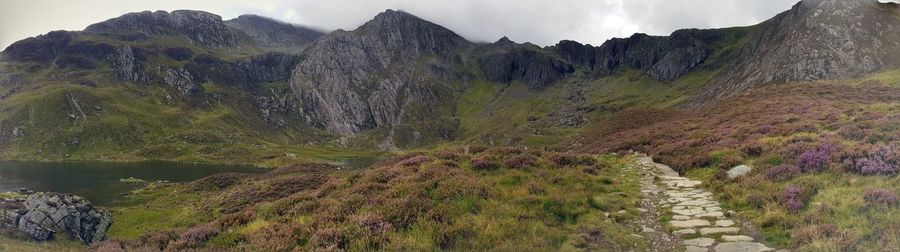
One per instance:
(537,21)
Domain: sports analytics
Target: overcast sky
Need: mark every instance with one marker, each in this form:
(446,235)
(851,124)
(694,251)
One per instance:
(543,22)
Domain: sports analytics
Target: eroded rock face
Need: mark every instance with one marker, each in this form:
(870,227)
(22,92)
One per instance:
(505,61)
(199,27)
(815,40)
(359,80)
(43,48)
(662,58)
(44,215)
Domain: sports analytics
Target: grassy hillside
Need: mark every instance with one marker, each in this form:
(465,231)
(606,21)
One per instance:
(824,157)
(134,122)
(467,198)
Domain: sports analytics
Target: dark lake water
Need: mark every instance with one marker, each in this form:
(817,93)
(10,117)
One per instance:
(99,181)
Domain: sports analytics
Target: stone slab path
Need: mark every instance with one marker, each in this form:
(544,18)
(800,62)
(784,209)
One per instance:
(698,221)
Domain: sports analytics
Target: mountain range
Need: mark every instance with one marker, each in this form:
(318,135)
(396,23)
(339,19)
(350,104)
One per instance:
(396,82)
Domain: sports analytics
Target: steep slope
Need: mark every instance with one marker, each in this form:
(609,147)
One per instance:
(181,85)
(397,61)
(399,81)
(394,68)
(815,40)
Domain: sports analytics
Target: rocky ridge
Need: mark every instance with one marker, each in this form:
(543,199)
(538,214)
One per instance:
(815,40)
(199,27)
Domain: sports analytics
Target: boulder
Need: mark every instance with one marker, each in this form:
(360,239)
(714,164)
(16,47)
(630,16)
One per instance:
(739,171)
(44,215)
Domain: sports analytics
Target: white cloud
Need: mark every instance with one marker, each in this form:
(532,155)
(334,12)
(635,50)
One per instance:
(538,21)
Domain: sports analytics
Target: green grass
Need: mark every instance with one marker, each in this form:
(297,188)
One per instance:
(539,208)
(153,209)
(123,125)
(22,245)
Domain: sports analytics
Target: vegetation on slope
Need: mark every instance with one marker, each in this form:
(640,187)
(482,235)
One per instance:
(130,122)
(467,198)
(824,155)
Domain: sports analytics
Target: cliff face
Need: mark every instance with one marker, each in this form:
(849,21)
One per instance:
(505,61)
(359,80)
(661,58)
(199,27)
(815,40)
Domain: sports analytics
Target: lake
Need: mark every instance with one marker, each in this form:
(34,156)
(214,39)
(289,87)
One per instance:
(99,181)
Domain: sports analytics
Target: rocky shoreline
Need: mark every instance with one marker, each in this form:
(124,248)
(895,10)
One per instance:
(45,215)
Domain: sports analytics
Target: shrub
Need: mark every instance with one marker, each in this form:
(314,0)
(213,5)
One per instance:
(483,164)
(792,199)
(829,234)
(415,161)
(566,159)
(373,223)
(108,246)
(782,172)
(521,161)
(277,237)
(725,159)
(816,160)
(880,197)
(331,238)
(450,154)
(881,160)
(193,238)
(159,240)
(754,149)
(234,219)
(217,182)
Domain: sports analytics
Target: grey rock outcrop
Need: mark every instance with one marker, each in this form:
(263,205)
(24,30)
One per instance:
(43,48)
(815,40)
(44,215)
(662,58)
(363,79)
(201,28)
(505,61)
(19,132)
(182,80)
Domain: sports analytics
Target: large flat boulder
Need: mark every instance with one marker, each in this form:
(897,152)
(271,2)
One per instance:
(42,216)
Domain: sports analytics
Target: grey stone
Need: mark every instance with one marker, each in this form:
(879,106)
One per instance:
(739,171)
(689,223)
(700,242)
(736,238)
(695,249)
(724,223)
(719,230)
(711,214)
(741,247)
(685,231)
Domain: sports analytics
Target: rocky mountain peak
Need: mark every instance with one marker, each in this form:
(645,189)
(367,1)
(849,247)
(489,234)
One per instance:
(199,27)
(504,41)
(403,31)
(815,40)
(275,34)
